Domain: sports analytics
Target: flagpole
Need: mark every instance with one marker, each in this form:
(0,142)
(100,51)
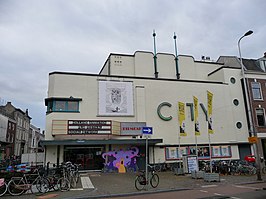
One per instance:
(210,150)
(196,125)
(196,141)
(179,151)
(209,124)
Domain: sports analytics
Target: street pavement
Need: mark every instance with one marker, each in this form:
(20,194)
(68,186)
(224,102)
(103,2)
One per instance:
(103,185)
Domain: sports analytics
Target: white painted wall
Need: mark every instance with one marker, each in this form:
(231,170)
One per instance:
(149,93)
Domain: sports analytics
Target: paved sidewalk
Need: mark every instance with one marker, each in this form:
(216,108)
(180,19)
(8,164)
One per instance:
(103,185)
(118,184)
(115,184)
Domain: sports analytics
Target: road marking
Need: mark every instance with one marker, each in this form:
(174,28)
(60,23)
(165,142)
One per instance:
(217,194)
(207,186)
(235,197)
(245,187)
(76,189)
(204,191)
(86,183)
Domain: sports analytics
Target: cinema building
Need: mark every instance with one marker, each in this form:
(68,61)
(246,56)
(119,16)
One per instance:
(98,119)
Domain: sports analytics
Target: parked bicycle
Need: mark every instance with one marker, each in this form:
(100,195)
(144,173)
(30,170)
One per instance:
(63,183)
(19,185)
(52,175)
(141,181)
(3,187)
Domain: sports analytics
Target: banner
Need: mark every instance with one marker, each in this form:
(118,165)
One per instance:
(196,114)
(209,98)
(181,117)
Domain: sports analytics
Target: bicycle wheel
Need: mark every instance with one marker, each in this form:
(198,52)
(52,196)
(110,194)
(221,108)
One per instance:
(252,171)
(76,176)
(53,182)
(154,180)
(16,187)
(63,184)
(73,182)
(264,170)
(42,185)
(157,167)
(140,182)
(3,189)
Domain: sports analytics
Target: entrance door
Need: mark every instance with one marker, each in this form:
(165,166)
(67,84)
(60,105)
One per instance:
(244,150)
(90,158)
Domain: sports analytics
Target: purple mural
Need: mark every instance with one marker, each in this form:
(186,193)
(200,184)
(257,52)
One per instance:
(121,161)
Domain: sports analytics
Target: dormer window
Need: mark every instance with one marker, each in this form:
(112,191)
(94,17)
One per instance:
(263,64)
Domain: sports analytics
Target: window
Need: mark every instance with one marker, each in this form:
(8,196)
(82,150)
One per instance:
(263,64)
(239,125)
(232,80)
(62,104)
(256,90)
(73,106)
(260,117)
(66,106)
(236,102)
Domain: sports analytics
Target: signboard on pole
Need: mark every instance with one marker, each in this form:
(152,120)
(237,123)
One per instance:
(252,140)
(192,162)
(147,130)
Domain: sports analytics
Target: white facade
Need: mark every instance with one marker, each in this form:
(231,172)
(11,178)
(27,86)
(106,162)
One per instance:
(148,92)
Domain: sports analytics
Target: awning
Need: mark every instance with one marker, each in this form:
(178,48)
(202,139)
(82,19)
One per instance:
(98,142)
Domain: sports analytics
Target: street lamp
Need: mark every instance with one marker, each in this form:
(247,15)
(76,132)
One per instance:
(251,126)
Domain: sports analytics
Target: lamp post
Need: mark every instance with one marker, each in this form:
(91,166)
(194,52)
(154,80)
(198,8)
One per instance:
(251,126)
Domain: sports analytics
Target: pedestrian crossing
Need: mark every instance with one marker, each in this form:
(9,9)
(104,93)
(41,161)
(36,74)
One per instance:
(86,183)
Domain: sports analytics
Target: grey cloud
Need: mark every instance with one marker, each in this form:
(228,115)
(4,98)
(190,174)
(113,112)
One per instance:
(38,37)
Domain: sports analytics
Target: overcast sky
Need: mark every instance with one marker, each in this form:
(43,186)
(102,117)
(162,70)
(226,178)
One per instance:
(41,36)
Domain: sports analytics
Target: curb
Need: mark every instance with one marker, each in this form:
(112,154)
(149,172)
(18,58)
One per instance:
(132,194)
(252,182)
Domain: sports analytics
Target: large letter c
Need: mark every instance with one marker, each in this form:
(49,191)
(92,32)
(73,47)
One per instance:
(159,111)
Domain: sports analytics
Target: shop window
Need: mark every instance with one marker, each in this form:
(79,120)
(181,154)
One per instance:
(172,153)
(256,90)
(203,152)
(260,117)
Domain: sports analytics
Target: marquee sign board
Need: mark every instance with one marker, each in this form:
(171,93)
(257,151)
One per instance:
(89,126)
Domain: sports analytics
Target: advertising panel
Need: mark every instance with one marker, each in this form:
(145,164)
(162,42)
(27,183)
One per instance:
(132,128)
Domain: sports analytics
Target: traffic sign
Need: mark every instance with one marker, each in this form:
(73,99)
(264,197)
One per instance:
(147,130)
(253,140)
